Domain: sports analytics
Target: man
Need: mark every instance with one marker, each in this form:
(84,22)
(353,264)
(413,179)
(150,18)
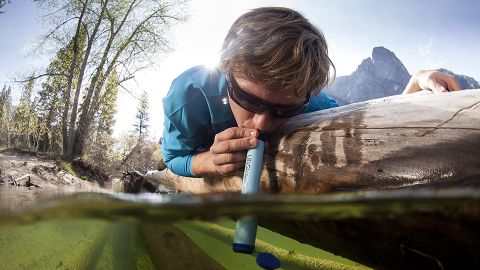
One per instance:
(273,64)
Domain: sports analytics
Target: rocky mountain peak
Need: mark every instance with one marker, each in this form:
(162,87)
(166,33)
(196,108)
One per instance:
(388,66)
(380,75)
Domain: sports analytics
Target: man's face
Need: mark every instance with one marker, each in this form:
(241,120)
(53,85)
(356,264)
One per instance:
(264,122)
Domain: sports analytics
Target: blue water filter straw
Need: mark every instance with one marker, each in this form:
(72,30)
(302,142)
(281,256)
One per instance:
(246,227)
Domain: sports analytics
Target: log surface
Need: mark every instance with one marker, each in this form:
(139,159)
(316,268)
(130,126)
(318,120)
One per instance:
(393,142)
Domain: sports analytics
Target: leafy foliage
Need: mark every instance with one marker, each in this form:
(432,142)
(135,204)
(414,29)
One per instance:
(143,157)
(50,101)
(23,116)
(2,4)
(6,115)
(69,107)
(67,167)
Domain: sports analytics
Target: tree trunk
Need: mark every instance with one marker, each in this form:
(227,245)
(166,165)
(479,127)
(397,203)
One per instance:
(92,102)
(81,133)
(395,142)
(68,91)
(44,143)
(73,116)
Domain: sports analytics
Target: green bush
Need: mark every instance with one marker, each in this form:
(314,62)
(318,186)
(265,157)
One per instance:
(67,166)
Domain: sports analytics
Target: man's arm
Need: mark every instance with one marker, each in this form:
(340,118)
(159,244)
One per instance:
(226,155)
(434,81)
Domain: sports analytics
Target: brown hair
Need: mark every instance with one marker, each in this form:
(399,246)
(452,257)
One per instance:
(278,48)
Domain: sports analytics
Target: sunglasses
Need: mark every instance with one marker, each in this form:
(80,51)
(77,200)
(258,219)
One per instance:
(256,105)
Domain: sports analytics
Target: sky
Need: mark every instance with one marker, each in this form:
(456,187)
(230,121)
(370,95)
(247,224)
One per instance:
(426,34)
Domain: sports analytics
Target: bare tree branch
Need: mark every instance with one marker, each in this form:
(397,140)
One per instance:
(128,91)
(32,78)
(50,34)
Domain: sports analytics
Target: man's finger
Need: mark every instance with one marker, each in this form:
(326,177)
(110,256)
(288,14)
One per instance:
(233,145)
(228,158)
(229,168)
(235,133)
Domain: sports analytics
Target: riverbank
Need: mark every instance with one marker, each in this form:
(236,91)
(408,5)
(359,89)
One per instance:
(26,177)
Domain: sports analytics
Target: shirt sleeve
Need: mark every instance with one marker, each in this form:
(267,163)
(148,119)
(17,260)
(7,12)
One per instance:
(186,126)
(176,155)
(319,102)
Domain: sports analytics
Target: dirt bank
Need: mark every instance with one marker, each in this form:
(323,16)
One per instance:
(25,176)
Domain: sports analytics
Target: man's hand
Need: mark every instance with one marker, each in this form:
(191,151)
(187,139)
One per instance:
(434,81)
(227,154)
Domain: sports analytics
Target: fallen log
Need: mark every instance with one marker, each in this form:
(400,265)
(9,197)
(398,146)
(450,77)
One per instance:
(422,142)
(395,229)
(23,177)
(393,142)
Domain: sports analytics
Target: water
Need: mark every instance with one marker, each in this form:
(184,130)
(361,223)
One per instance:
(389,229)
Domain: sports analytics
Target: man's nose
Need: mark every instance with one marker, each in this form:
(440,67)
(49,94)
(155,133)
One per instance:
(262,122)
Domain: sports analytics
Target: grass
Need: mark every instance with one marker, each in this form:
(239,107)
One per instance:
(217,248)
(293,246)
(170,248)
(51,245)
(67,166)
(216,239)
(98,244)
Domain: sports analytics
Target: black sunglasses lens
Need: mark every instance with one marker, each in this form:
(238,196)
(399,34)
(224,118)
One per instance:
(255,105)
(245,100)
(290,112)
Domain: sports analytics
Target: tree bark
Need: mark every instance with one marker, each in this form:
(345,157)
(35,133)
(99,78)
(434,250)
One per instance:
(73,116)
(68,91)
(395,142)
(96,85)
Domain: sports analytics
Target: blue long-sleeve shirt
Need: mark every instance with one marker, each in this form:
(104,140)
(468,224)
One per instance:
(196,109)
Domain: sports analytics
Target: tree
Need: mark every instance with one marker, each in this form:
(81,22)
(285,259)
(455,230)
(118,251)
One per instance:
(2,4)
(4,96)
(143,157)
(141,125)
(71,72)
(121,35)
(51,99)
(101,147)
(6,115)
(106,118)
(136,32)
(22,118)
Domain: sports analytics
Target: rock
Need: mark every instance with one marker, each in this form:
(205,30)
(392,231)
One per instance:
(381,75)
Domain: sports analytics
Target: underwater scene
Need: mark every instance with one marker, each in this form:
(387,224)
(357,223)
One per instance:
(385,230)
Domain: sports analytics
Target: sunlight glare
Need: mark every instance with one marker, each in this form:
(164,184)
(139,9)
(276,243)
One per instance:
(212,61)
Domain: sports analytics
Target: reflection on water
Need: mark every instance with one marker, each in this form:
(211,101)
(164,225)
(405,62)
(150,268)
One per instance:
(148,231)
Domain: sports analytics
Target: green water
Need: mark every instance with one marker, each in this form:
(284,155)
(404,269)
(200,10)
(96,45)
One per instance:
(118,231)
